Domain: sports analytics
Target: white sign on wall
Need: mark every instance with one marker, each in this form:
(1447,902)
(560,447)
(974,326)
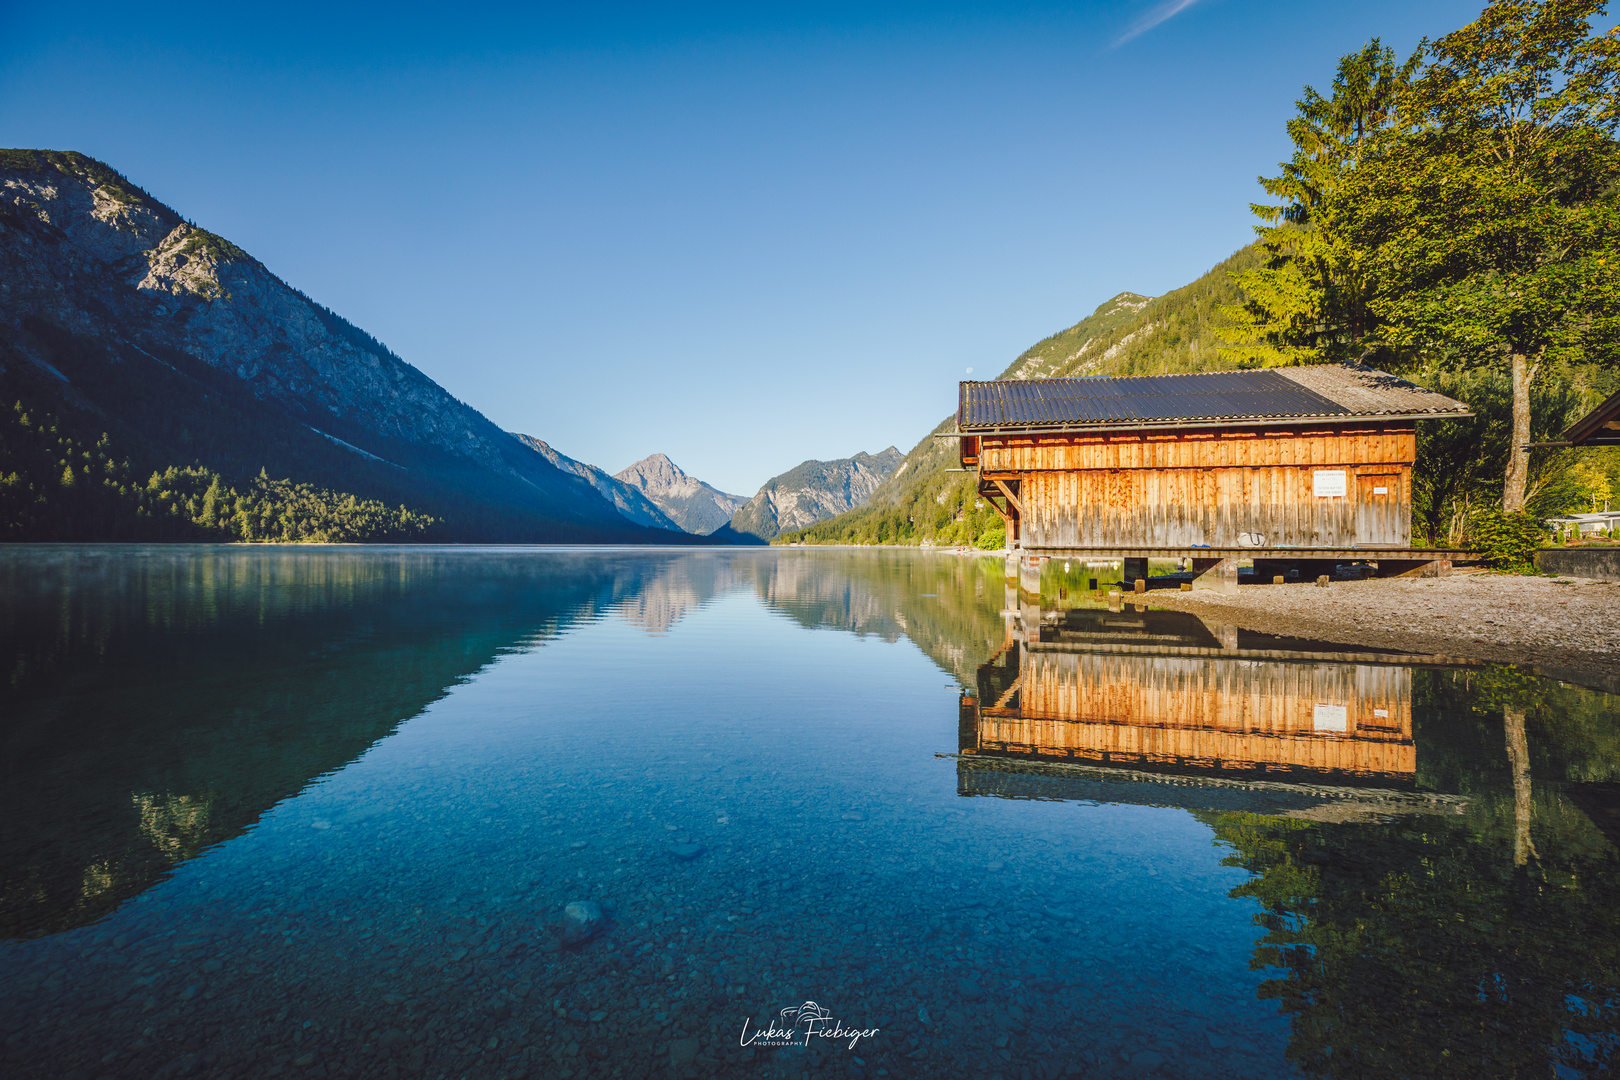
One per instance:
(1328,483)
(1331,718)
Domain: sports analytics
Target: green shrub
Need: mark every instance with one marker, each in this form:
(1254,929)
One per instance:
(1508,541)
(993,538)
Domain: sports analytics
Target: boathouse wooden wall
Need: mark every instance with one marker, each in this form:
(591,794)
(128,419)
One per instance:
(1191,488)
(1240,713)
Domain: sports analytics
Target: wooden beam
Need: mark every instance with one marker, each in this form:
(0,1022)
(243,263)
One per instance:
(1012,500)
(1003,512)
(1001,703)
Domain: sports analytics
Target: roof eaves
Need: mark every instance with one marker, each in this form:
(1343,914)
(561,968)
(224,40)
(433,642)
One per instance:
(1040,427)
(1583,429)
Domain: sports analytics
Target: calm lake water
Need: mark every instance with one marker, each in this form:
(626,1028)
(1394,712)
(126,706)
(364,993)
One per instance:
(317,812)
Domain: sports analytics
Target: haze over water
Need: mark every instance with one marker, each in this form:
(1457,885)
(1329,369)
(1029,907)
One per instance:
(316,812)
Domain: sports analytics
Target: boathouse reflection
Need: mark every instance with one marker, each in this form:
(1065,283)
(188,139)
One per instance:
(1369,859)
(1165,691)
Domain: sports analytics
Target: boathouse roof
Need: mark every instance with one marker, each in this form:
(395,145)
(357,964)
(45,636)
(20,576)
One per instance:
(1600,427)
(1201,399)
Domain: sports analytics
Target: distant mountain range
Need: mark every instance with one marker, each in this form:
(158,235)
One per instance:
(628,499)
(685,500)
(1130,334)
(118,316)
(814,491)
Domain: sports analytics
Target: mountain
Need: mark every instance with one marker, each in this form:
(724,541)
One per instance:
(1129,334)
(629,501)
(685,500)
(814,491)
(157,341)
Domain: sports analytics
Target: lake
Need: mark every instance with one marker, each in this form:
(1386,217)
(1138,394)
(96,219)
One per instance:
(301,811)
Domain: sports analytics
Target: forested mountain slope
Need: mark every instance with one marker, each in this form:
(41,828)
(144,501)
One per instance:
(118,317)
(1128,335)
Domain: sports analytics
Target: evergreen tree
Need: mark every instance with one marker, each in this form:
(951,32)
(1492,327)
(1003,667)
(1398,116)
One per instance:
(1308,301)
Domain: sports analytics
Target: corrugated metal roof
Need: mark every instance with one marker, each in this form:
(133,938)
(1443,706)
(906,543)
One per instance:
(1196,399)
(1369,392)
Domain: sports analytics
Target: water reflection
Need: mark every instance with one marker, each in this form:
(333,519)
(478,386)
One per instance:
(1433,841)
(160,702)
(273,811)
(1157,689)
(161,699)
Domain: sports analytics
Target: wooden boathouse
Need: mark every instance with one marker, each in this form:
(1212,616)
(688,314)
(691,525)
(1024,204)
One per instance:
(1301,465)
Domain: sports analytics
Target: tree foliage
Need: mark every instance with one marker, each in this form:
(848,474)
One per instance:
(1308,301)
(53,487)
(1460,210)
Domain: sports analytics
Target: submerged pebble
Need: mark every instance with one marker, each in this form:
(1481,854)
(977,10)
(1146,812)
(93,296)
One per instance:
(582,920)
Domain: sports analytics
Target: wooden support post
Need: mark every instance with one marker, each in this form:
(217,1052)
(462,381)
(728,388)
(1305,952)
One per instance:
(1029,614)
(1225,633)
(1012,500)
(1218,574)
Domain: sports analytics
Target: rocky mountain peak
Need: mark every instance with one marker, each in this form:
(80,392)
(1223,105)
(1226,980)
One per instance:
(688,501)
(654,471)
(815,491)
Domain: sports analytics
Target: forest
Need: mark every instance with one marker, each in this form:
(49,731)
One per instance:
(54,486)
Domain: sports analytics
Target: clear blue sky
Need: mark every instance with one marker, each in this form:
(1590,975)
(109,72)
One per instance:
(740,235)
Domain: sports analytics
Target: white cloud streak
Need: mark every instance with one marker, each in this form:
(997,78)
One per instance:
(1163,12)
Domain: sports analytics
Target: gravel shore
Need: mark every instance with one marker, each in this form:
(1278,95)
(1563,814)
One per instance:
(1567,627)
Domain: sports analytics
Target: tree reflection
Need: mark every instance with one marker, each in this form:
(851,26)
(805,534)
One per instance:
(1482,945)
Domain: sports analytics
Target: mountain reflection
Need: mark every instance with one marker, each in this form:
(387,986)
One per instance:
(1432,843)
(160,700)
(946,606)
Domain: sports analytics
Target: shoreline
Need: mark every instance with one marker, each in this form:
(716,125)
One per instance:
(1568,629)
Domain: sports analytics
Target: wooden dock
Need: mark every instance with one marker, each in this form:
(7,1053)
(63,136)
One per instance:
(1337,554)
(1217,567)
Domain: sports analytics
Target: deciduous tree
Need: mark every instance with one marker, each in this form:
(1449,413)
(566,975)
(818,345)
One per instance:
(1486,219)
